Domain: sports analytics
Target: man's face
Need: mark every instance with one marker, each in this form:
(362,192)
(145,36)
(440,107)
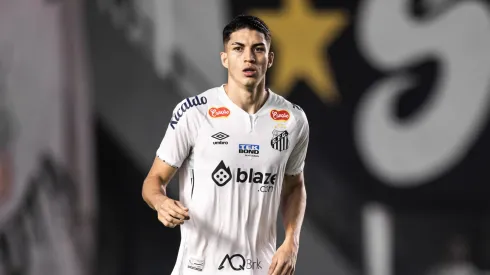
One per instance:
(247,57)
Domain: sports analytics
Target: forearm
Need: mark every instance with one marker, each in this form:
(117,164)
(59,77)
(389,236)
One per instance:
(153,186)
(293,205)
(156,181)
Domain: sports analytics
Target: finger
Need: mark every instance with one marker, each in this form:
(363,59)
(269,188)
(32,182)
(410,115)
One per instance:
(273,265)
(181,205)
(279,268)
(175,214)
(292,271)
(287,269)
(173,220)
(162,211)
(166,215)
(284,270)
(179,210)
(164,221)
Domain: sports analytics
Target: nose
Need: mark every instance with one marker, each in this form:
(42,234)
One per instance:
(249,56)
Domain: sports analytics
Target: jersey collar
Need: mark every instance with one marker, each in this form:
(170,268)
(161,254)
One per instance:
(224,97)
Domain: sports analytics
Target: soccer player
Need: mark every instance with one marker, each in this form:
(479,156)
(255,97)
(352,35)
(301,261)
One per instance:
(240,151)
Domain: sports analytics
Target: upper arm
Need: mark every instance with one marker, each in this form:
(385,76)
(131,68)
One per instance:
(293,181)
(294,176)
(177,143)
(296,161)
(180,135)
(162,170)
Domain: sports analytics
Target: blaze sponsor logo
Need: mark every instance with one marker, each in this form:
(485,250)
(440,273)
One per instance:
(221,175)
(189,103)
(265,182)
(219,112)
(251,176)
(282,115)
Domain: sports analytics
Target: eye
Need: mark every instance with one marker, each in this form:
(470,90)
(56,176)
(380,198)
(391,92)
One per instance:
(260,49)
(237,49)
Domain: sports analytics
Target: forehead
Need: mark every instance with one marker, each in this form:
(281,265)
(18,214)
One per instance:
(247,37)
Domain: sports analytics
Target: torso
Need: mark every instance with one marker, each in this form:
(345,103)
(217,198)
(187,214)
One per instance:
(232,183)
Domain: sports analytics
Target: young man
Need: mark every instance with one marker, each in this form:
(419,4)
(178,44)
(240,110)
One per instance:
(240,151)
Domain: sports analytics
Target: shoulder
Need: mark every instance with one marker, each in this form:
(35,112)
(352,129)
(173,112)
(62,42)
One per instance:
(282,106)
(194,107)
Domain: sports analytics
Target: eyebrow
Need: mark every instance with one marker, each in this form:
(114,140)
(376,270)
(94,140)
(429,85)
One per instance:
(243,45)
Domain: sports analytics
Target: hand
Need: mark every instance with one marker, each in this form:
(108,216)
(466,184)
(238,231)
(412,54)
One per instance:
(284,261)
(170,212)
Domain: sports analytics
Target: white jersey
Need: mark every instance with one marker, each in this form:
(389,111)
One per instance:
(232,165)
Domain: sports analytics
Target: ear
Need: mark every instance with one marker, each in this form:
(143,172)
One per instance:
(224,59)
(271,59)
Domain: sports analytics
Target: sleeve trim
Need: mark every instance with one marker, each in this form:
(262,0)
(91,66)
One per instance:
(173,164)
(294,173)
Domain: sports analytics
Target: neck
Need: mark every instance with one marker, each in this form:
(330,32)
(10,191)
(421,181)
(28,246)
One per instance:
(249,99)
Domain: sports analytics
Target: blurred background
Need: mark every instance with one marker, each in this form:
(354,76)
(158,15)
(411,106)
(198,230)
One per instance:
(397,93)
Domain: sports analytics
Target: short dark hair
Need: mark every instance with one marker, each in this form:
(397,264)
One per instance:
(246,22)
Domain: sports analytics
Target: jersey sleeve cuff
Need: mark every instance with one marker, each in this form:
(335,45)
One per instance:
(294,172)
(174,164)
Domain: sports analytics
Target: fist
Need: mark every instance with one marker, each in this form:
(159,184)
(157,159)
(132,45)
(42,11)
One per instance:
(170,212)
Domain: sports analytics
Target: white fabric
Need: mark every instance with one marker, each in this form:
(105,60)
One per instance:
(218,146)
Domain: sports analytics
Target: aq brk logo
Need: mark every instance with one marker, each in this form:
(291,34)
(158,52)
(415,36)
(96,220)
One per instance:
(237,262)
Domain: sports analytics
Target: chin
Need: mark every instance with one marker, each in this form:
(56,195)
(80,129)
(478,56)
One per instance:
(250,83)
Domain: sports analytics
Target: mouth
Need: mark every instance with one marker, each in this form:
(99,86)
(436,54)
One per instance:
(249,72)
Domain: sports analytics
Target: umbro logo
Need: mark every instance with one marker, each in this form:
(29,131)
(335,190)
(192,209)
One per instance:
(220,136)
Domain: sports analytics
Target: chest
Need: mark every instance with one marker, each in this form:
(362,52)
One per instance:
(246,140)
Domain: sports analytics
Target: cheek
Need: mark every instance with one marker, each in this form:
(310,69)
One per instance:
(233,64)
(264,62)
(264,66)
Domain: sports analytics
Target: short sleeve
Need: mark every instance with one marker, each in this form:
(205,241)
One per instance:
(180,136)
(296,161)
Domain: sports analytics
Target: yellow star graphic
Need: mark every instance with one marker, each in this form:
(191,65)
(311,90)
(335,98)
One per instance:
(300,33)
